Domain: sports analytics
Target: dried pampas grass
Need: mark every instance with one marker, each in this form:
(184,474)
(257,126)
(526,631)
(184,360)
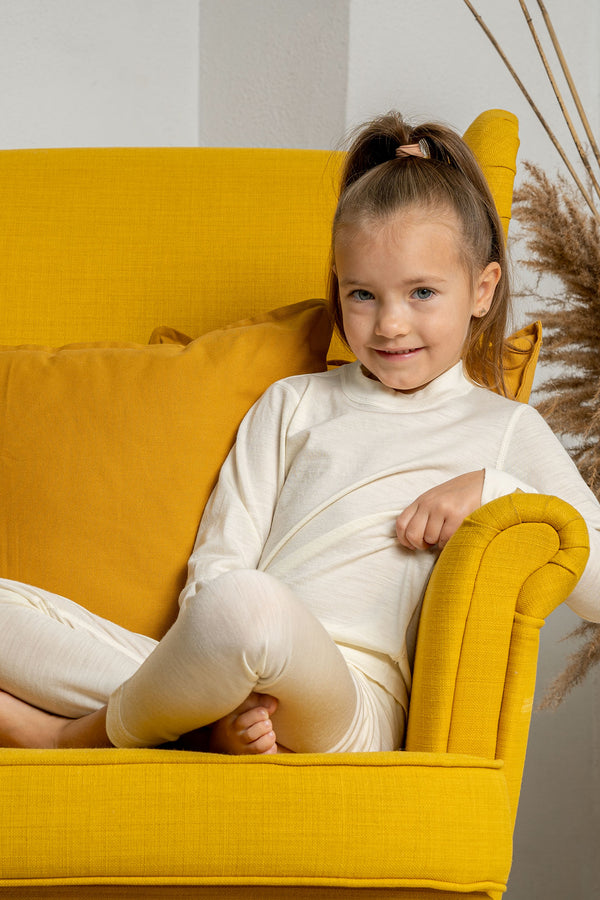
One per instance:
(564,241)
(578,665)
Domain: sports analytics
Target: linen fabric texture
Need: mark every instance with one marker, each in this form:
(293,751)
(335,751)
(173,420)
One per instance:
(354,810)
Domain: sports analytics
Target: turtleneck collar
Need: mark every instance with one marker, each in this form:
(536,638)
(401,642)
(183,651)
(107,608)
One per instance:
(365,391)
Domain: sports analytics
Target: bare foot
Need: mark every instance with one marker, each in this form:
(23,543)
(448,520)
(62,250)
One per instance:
(22,725)
(248,729)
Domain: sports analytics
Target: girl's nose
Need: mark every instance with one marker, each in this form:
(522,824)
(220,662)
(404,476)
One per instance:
(392,320)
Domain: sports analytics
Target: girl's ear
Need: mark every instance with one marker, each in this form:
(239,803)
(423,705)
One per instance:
(486,285)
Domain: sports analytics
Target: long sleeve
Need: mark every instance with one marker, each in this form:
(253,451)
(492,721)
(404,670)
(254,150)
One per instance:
(238,516)
(534,460)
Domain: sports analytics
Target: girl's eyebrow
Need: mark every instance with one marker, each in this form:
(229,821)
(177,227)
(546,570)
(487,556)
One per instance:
(412,280)
(424,279)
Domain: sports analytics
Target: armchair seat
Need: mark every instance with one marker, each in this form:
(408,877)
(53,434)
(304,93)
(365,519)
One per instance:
(392,820)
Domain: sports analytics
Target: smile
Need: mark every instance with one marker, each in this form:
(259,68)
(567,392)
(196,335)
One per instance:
(387,353)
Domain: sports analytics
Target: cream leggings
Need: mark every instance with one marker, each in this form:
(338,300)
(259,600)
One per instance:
(243,632)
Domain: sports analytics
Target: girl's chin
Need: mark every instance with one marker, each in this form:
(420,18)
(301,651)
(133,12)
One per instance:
(402,386)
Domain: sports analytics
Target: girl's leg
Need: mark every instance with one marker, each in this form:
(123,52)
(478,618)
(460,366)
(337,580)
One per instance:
(246,632)
(59,657)
(23,725)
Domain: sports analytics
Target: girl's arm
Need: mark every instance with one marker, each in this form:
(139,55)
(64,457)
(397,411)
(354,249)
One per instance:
(541,464)
(534,461)
(238,515)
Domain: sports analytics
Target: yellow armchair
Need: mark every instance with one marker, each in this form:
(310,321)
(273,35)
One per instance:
(109,452)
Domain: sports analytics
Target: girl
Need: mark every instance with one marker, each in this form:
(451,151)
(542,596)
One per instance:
(297,621)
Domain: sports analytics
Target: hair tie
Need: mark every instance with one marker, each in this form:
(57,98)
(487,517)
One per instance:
(419,149)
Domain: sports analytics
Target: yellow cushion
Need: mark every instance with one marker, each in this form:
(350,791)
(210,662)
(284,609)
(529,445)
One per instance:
(521,359)
(358,820)
(109,454)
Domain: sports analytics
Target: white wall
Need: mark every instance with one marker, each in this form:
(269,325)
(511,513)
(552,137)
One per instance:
(431,59)
(98,73)
(273,73)
(299,73)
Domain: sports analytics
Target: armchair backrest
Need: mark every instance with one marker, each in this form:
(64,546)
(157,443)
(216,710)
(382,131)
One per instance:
(107,244)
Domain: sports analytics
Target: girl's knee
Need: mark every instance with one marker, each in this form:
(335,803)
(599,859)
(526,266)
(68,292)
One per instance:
(244,582)
(243,617)
(241,599)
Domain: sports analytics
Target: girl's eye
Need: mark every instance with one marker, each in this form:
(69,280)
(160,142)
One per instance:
(423,293)
(361,295)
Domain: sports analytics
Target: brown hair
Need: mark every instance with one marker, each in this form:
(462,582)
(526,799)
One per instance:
(376,184)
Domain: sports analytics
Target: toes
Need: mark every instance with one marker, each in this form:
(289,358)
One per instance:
(265,743)
(255,716)
(248,729)
(257,731)
(259,737)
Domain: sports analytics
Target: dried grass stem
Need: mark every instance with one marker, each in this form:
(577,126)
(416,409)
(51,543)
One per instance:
(581,187)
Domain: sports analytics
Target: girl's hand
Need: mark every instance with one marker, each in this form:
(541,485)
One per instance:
(434,516)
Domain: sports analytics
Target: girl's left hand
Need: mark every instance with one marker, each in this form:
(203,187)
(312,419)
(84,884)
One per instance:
(433,517)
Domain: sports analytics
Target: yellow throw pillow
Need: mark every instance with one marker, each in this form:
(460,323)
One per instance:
(109,453)
(520,362)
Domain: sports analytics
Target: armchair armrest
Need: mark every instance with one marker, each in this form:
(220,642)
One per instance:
(507,567)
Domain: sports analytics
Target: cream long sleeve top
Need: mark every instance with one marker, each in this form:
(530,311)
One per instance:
(322,466)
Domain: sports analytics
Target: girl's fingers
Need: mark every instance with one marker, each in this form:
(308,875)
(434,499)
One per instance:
(434,516)
(420,529)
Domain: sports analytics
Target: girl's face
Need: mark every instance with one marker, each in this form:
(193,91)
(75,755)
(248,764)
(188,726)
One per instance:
(406,296)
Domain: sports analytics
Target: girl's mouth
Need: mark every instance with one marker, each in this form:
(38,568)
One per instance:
(397,353)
